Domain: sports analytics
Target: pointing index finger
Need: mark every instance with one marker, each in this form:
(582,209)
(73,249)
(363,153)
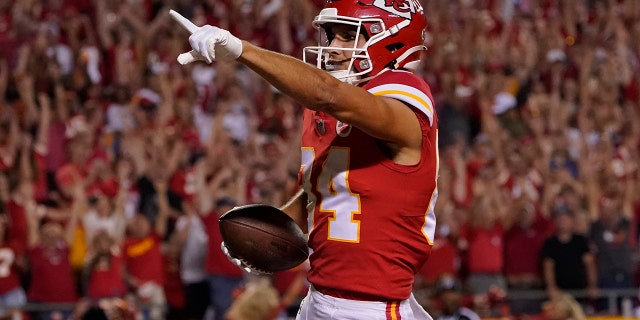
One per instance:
(184,22)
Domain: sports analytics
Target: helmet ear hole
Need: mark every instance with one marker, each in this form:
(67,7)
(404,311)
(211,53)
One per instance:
(394,46)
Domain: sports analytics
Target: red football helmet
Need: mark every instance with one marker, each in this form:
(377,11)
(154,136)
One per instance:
(394,32)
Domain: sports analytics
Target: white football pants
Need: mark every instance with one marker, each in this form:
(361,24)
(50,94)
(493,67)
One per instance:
(318,306)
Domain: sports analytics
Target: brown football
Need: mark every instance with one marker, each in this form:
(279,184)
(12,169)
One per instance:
(264,237)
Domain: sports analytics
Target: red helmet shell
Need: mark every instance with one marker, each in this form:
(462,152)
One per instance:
(391,14)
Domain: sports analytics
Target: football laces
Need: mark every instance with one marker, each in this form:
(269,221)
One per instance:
(241,263)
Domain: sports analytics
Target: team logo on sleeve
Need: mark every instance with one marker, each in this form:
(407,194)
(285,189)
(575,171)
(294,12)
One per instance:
(402,8)
(343,129)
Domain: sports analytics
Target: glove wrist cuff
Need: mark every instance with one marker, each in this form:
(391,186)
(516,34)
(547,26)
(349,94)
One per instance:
(235,47)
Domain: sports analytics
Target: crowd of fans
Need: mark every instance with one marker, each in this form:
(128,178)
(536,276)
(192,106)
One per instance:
(116,161)
(539,151)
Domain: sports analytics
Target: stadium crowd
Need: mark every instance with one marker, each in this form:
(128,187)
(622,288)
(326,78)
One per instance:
(116,161)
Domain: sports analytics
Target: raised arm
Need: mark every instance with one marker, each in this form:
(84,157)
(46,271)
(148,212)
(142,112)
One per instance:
(384,118)
(164,210)
(42,139)
(33,226)
(72,224)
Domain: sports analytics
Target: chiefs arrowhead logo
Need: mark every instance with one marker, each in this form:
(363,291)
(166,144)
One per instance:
(402,8)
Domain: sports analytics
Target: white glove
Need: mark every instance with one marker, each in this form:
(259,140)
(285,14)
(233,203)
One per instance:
(241,263)
(209,43)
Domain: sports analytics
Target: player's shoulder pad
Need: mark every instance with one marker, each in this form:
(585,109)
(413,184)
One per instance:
(406,87)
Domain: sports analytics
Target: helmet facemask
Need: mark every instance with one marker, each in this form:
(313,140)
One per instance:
(360,62)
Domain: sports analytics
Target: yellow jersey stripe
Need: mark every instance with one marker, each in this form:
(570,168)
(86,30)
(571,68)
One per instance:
(407,94)
(404,93)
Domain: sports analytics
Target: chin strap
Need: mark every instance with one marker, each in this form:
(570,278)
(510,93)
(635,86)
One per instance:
(357,80)
(371,77)
(413,65)
(345,76)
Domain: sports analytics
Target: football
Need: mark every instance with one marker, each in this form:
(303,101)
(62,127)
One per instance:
(264,237)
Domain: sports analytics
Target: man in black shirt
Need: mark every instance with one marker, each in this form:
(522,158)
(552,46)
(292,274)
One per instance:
(567,260)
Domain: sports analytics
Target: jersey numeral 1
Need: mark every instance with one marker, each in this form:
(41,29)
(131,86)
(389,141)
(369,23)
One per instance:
(335,195)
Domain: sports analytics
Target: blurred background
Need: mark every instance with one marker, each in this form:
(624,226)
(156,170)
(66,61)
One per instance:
(115,161)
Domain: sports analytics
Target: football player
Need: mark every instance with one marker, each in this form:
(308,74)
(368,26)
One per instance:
(369,152)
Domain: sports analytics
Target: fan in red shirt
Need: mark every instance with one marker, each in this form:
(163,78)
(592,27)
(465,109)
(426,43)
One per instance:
(52,278)
(481,238)
(522,267)
(142,250)
(103,274)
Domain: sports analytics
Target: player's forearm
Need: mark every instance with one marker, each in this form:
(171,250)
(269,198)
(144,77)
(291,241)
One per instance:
(296,208)
(312,87)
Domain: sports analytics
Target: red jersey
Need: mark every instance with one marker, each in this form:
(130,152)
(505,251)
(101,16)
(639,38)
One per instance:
(52,275)
(8,274)
(485,252)
(371,220)
(107,278)
(144,259)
